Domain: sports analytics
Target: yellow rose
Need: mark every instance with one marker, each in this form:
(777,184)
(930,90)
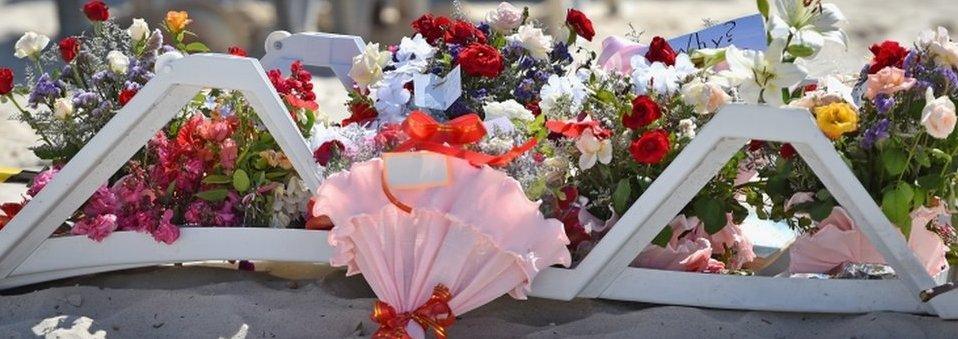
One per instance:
(836,119)
(176,21)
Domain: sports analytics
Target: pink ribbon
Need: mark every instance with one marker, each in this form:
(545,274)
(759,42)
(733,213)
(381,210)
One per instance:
(617,53)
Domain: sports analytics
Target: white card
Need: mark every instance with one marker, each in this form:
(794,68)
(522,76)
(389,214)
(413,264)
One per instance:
(416,170)
(434,92)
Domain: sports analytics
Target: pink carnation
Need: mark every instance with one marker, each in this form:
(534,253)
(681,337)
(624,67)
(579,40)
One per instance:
(166,232)
(888,80)
(103,201)
(41,180)
(96,228)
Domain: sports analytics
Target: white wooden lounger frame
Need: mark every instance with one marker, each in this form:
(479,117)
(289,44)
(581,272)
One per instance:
(28,256)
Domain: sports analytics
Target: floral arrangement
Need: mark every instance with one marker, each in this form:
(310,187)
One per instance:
(213,165)
(893,127)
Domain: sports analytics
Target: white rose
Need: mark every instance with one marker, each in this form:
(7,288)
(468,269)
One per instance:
(939,44)
(593,150)
(706,97)
(139,30)
(938,116)
(63,108)
(118,62)
(30,45)
(504,18)
(368,67)
(164,61)
(533,40)
(509,109)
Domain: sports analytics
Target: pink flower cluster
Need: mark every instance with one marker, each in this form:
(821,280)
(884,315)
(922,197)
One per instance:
(129,205)
(692,249)
(201,145)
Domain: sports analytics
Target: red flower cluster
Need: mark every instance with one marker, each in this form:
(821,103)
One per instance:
(69,47)
(96,10)
(644,112)
(201,143)
(787,151)
(451,31)
(9,209)
(661,51)
(126,95)
(651,147)
(237,51)
(298,84)
(887,54)
(6,81)
(481,60)
(579,23)
(360,113)
(325,152)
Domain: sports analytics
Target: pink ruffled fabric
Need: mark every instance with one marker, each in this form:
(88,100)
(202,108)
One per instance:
(691,247)
(480,236)
(838,240)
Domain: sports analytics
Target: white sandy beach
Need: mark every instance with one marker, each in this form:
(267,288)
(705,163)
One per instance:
(310,301)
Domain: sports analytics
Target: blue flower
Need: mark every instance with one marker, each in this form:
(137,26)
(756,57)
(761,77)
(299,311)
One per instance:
(884,102)
(525,91)
(560,53)
(46,90)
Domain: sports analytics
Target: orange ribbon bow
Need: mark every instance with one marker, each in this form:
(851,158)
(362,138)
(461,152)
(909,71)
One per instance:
(426,134)
(434,315)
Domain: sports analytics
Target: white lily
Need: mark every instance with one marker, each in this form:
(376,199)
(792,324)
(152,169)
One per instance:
(660,77)
(593,150)
(760,77)
(811,26)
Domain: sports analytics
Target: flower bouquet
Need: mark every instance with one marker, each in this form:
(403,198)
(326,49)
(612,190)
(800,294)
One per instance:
(213,165)
(893,126)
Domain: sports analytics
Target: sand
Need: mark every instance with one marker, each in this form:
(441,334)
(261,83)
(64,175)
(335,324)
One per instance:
(201,302)
(204,302)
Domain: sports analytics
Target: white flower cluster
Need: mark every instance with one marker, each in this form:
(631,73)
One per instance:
(289,202)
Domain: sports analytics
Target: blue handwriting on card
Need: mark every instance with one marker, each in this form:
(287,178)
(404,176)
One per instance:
(745,33)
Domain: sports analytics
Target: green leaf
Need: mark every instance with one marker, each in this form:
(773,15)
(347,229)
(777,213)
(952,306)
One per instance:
(896,204)
(276,174)
(196,47)
(605,96)
(240,180)
(930,181)
(663,238)
(820,210)
(213,195)
(895,160)
(711,213)
(217,179)
(800,51)
(763,8)
(620,198)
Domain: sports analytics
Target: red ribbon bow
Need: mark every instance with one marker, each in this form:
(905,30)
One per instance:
(434,315)
(427,134)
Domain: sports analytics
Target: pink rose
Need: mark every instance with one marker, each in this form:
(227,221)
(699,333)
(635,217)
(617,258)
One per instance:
(888,80)
(228,154)
(938,116)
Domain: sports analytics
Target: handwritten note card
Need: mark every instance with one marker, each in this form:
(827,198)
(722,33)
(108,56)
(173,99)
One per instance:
(434,92)
(745,33)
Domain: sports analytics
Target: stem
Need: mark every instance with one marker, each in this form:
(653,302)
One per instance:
(28,118)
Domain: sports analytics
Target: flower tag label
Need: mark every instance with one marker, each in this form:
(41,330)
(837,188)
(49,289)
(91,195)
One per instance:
(416,170)
(745,33)
(434,92)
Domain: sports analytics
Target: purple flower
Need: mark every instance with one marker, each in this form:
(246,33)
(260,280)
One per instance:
(86,99)
(875,133)
(525,91)
(46,90)
(884,102)
(484,28)
(560,53)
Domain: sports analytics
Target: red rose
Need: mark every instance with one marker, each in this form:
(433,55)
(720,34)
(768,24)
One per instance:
(481,60)
(787,151)
(755,145)
(360,113)
(126,95)
(6,81)
(644,112)
(237,51)
(578,22)
(69,47)
(96,10)
(464,33)
(431,28)
(651,147)
(571,195)
(533,106)
(326,151)
(887,54)
(573,228)
(661,51)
